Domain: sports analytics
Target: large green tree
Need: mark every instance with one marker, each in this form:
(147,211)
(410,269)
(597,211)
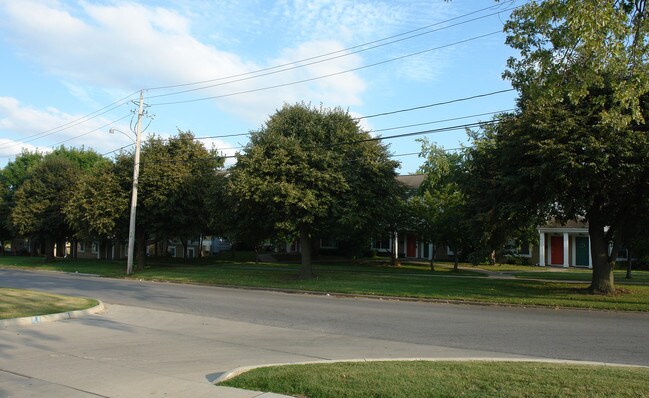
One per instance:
(99,205)
(313,172)
(439,206)
(12,176)
(39,202)
(577,145)
(176,177)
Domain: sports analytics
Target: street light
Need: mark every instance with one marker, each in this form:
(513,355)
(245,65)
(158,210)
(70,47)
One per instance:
(136,174)
(114,130)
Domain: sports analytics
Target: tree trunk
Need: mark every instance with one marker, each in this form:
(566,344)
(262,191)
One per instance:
(432,258)
(49,249)
(140,249)
(184,243)
(73,248)
(628,264)
(395,250)
(602,280)
(305,245)
(60,247)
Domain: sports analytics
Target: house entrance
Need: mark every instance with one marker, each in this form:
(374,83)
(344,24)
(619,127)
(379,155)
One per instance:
(581,251)
(556,249)
(411,249)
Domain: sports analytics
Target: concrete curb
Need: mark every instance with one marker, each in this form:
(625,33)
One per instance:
(237,371)
(35,320)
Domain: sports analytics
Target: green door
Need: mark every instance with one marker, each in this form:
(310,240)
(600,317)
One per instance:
(581,246)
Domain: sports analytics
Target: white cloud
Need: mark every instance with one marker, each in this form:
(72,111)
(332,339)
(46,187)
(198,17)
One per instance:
(127,46)
(28,125)
(9,149)
(345,20)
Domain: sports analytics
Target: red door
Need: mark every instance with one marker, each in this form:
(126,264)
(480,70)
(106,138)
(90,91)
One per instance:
(411,249)
(556,248)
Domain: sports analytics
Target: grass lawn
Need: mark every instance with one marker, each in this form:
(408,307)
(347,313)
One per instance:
(620,276)
(370,278)
(446,379)
(577,274)
(96,267)
(17,303)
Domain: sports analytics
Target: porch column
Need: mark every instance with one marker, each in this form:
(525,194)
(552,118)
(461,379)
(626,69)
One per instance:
(396,245)
(542,249)
(430,251)
(566,253)
(590,257)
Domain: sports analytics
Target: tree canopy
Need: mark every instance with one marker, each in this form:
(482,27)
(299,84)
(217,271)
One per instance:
(576,147)
(439,206)
(313,172)
(39,202)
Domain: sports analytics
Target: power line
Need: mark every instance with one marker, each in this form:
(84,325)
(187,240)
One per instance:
(440,121)
(72,138)
(328,75)
(77,121)
(436,104)
(395,136)
(371,131)
(92,131)
(351,142)
(372,44)
(288,67)
(348,49)
(358,48)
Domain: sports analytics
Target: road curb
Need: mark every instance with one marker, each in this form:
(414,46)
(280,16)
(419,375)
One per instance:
(237,371)
(37,319)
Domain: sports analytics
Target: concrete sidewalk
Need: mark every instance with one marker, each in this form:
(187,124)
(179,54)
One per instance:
(134,352)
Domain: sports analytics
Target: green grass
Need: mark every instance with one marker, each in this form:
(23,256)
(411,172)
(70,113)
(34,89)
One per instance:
(446,379)
(583,275)
(366,278)
(564,274)
(17,303)
(96,267)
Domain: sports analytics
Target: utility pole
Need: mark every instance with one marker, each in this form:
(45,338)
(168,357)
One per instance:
(136,174)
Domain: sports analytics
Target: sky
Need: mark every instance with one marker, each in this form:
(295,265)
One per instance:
(73,70)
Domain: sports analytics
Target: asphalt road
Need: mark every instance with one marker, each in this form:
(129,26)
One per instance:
(559,334)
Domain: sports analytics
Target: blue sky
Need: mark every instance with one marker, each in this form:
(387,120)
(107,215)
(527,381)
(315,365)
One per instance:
(64,61)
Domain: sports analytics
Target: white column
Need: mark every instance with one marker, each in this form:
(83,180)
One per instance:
(590,258)
(566,253)
(430,251)
(542,249)
(396,245)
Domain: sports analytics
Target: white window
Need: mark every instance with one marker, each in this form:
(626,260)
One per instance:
(171,250)
(81,246)
(328,243)
(622,254)
(95,247)
(524,249)
(381,244)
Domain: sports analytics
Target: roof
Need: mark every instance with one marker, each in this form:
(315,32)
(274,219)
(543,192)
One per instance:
(553,223)
(412,181)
